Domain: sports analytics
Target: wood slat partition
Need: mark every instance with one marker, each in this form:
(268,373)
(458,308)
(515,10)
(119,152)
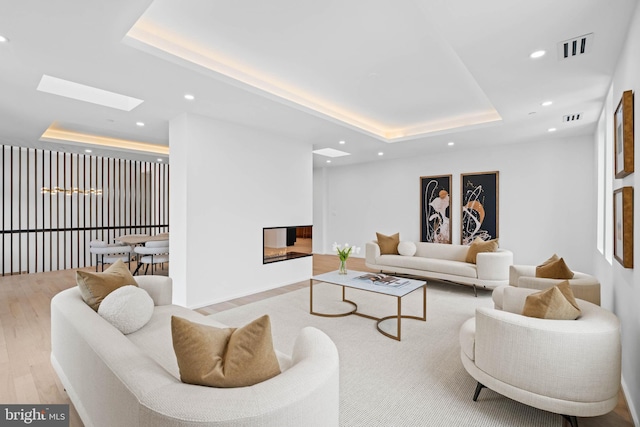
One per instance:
(44,232)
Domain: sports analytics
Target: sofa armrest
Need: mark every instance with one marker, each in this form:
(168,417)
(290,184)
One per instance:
(160,288)
(494,265)
(516,272)
(372,252)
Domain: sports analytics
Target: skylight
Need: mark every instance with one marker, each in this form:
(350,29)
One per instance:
(331,152)
(85,93)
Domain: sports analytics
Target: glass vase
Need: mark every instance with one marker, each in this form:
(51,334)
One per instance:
(343,267)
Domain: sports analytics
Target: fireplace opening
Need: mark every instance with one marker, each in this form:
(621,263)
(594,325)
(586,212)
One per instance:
(285,243)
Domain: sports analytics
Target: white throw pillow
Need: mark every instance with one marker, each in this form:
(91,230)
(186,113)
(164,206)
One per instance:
(407,248)
(128,308)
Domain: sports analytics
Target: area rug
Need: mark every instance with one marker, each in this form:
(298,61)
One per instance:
(419,381)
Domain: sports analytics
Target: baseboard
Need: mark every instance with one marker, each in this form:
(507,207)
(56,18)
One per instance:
(238,295)
(630,405)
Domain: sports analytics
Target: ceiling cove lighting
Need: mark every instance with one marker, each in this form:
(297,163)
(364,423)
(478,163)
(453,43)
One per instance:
(59,135)
(85,93)
(537,54)
(331,152)
(150,36)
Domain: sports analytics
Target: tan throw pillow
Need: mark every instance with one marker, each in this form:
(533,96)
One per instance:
(94,287)
(553,258)
(556,302)
(388,244)
(554,270)
(227,357)
(478,246)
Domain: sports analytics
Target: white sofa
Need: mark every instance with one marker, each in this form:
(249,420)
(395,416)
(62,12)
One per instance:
(133,380)
(445,262)
(569,367)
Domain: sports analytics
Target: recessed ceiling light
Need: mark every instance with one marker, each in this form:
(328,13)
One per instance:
(140,124)
(328,161)
(552,129)
(160,160)
(87,151)
(331,152)
(450,143)
(189,97)
(546,103)
(380,153)
(537,54)
(3,39)
(86,93)
(343,142)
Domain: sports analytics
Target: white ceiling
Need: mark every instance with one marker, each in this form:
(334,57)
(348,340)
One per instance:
(403,78)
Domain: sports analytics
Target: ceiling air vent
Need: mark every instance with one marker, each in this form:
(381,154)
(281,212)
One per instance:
(570,118)
(575,47)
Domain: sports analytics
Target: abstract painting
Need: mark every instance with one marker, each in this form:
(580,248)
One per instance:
(435,209)
(479,216)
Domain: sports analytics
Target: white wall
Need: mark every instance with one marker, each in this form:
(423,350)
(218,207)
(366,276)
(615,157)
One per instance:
(227,183)
(547,202)
(620,285)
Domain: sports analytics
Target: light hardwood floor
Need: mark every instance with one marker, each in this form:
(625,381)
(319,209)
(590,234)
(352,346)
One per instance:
(26,375)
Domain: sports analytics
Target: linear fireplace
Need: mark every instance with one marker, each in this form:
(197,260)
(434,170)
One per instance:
(285,243)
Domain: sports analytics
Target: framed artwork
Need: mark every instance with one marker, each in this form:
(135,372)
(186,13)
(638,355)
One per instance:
(623,226)
(479,216)
(623,135)
(435,209)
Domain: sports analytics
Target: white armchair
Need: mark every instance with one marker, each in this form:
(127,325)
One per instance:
(584,286)
(569,367)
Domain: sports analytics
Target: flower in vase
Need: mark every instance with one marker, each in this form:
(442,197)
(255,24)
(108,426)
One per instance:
(345,250)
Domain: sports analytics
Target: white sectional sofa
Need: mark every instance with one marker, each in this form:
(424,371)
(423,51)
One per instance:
(445,262)
(133,380)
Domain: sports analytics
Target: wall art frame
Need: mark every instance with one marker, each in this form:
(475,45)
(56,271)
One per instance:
(623,136)
(435,209)
(623,226)
(479,206)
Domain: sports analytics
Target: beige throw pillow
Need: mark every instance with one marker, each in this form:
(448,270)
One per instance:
(388,244)
(94,287)
(478,246)
(554,270)
(227,357)
(556,302)
(553,258)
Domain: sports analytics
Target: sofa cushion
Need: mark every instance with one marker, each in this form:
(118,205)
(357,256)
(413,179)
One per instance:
(427,265)
(388,244)
(556,302)
(554,270)
(479,245)
(128,308)
(407,248)
(224,357)
(94,287)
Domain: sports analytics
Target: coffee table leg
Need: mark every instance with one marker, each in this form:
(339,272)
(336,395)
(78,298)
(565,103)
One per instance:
(399,318)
